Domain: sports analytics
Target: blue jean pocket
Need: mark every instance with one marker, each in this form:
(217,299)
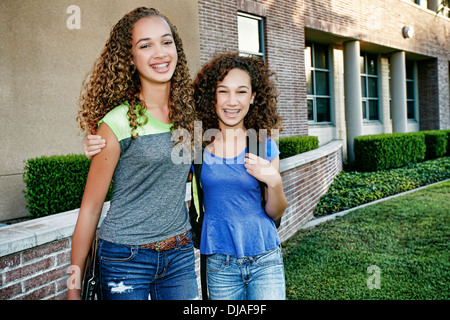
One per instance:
(271,257)
(115,252)
(214,264)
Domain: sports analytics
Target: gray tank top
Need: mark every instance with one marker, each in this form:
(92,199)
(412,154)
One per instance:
(148,201)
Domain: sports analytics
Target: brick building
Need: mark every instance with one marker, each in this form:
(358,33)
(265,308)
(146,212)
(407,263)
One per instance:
(344,68)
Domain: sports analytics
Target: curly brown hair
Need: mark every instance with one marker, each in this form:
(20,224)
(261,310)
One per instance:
(114,80)
(261,115)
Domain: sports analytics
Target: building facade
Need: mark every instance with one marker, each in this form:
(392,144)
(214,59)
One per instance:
(48,48)
(343,68)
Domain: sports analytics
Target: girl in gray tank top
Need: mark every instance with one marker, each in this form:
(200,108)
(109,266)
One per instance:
(138,93)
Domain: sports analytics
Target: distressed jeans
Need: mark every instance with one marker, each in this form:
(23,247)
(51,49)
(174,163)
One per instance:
(129,272)
(258,277)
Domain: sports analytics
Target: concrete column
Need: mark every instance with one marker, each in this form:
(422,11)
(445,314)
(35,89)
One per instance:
(353,104)
(398,98)
(385,95)
(339,99)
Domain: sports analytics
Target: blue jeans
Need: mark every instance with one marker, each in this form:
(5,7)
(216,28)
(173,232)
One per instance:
(129,272)
(258,277)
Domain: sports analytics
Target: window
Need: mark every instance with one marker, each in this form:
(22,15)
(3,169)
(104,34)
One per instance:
(369,87)
(251,35)
(318,83)
(410,91)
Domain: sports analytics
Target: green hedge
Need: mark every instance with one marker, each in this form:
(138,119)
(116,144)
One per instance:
(351,189)
(291,146)
(55,184)
(436,142)
(386,151)
(448,142)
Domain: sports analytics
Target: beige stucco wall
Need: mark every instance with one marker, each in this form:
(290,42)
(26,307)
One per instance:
(43,64)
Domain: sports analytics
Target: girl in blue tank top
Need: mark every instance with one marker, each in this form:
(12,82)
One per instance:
(234,95)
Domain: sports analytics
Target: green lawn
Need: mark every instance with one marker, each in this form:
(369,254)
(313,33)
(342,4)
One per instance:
(403,241)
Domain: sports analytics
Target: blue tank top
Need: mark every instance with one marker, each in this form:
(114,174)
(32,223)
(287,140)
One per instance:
(235,223)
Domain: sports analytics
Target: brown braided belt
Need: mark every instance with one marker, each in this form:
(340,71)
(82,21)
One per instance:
(168,244)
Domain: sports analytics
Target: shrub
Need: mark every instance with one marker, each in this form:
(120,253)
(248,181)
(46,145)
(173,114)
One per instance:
(386,151)
(55,184)
(351,189)
(291,146)
(448,142)
(436,142)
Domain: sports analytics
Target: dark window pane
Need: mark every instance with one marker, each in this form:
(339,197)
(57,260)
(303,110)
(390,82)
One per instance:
(320,56)
(411,110)
(409,70)
(410,90)
(310,110)
(363,87)
(373,87)
(373,110)
(372,65)
(364,109)
(322,83)
(390,109)
(323,110)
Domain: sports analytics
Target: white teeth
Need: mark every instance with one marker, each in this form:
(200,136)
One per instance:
(160,66)
(231,111)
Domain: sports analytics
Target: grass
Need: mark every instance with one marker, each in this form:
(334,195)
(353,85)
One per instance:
(407,239)
(351,189)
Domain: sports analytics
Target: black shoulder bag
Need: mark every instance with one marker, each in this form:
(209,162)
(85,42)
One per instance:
(91,274)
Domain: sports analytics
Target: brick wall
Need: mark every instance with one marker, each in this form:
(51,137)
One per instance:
(36,274)
(381,22)
(284,45)
(41,272)
(429,95)
(304,185)
(377,24)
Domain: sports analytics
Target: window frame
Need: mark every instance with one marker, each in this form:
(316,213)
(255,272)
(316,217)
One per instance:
(314,96)
(412,80)
(366,99)
(261,37)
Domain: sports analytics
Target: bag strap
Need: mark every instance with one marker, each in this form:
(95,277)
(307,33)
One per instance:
(260,152)
(198,204)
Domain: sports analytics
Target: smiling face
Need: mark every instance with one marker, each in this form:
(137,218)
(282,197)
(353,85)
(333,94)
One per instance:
(233,98)
(154,51)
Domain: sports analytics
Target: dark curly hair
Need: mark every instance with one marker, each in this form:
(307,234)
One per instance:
(114,80)
(261,115)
